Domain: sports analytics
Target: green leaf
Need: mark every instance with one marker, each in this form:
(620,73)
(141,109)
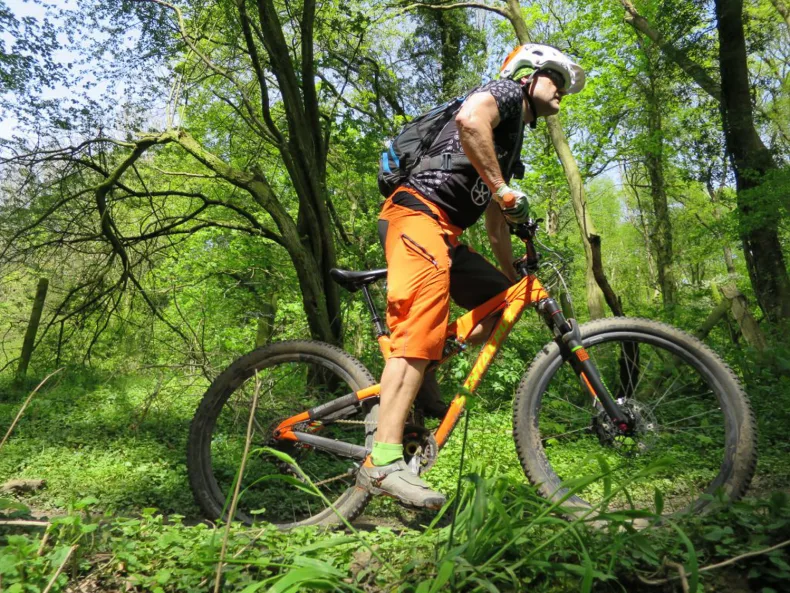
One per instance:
(423,587)
(328,543)
(252,587)
(693,564)
(163,576)
(444,574)
(658,499)
(86,502)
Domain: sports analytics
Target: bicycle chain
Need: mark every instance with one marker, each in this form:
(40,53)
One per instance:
(340,421)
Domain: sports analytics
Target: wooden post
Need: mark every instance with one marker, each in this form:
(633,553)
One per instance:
(740,311)
(718,313)
(32,328)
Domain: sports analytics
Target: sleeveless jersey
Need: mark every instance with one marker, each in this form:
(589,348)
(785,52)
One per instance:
(463,194)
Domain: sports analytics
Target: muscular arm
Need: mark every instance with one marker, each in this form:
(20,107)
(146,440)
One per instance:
(499,235)
(476,121)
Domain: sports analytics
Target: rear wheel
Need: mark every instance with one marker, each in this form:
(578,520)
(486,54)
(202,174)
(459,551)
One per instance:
(290,377)
(695,432)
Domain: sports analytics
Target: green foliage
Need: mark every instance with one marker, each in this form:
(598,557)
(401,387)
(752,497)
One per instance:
(109,435)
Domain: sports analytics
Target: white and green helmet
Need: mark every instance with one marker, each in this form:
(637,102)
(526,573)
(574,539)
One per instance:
(537,57)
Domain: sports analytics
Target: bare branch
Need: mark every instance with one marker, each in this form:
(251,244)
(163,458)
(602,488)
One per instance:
(689,66)
(500,11)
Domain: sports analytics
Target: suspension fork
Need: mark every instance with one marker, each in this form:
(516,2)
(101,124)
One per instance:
(570,343)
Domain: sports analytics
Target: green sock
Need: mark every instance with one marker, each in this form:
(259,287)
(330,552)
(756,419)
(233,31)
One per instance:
(386,453)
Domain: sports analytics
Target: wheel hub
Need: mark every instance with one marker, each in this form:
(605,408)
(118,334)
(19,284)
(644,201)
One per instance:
(639,439)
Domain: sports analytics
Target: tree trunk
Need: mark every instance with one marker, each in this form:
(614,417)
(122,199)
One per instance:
(32,328)
(661,233)
(266,321)
(614,302)
(718,313)
(751,161)
(644,231)
(728,261)
(595,299)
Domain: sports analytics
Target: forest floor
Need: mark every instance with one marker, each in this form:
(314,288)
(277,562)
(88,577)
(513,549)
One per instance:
(112,461)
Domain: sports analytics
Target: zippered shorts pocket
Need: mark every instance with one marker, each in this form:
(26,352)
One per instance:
(415,247)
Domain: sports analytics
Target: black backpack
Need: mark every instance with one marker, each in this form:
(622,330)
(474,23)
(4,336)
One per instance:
(405,153)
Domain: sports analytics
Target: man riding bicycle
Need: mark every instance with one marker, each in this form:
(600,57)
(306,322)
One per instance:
(419,226)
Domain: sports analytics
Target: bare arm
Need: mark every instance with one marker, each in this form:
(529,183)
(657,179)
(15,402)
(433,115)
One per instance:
(499,235)
(476,121)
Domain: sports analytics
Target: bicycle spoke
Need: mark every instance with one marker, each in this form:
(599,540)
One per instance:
(290,387)
(694,416)
(676,418)
(556,436)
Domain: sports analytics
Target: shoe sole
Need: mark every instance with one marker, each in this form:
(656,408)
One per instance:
(412,505)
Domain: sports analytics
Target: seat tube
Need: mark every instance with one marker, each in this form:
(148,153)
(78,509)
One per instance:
(382,333)
(381,327)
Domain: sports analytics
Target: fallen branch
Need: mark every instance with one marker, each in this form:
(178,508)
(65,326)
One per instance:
(24,523)
(24,406)
(681,573)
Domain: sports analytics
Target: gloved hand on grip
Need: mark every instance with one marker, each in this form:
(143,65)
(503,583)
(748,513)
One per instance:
(514,204)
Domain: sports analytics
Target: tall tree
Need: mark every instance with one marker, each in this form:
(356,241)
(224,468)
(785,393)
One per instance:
(752,162)
(655,98)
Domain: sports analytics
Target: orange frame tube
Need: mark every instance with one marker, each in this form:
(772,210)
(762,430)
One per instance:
(511,302)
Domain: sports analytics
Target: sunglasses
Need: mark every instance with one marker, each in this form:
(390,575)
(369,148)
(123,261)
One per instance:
(555,77)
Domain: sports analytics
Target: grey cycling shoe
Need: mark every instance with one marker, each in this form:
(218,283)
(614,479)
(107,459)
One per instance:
(397,480)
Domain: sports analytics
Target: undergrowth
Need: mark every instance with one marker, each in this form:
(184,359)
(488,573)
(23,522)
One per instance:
(505,538)
(107,463)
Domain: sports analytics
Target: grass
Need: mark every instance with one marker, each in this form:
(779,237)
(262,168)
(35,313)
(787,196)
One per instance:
(85,436)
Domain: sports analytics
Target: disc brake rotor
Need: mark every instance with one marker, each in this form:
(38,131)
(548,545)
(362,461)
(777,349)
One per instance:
(641,438)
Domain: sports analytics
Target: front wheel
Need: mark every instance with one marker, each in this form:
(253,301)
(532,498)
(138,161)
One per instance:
(694,432)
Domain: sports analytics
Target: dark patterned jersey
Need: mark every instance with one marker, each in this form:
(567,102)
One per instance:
(462,193)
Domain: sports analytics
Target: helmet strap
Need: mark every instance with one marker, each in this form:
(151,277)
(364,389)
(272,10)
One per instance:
(527,89)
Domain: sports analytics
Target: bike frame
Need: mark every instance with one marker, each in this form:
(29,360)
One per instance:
(509,305)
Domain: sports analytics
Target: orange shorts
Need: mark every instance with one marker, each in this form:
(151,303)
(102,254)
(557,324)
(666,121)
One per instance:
(418,249)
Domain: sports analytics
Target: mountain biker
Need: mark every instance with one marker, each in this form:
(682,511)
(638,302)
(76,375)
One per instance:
(419,227)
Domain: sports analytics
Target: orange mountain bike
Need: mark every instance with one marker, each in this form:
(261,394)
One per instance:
(637,397)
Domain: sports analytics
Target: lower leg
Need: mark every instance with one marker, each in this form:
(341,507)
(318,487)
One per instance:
(400,381)
(386,472)
(481,332)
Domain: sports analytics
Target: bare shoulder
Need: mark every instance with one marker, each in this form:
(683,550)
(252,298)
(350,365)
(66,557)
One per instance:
(480,106)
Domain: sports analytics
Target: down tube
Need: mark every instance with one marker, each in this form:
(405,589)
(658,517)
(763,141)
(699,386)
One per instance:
(510,315)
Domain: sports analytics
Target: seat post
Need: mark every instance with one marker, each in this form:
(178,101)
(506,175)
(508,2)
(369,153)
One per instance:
(381,328)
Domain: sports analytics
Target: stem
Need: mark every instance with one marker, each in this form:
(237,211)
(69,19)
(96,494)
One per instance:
(237,487)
